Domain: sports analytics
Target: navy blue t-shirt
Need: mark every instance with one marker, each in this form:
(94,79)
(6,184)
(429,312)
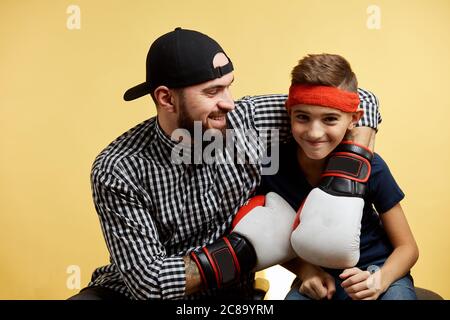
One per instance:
(382,194)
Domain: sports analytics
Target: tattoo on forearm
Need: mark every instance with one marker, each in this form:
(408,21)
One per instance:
(193,279)
(349,135)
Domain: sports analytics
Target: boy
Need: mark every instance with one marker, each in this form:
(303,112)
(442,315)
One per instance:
(323,107)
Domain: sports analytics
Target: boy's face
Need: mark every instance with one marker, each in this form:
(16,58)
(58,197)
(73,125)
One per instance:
(318,130)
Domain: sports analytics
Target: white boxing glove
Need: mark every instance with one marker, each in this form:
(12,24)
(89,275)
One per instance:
(266,221)
(327,235)
(328,225)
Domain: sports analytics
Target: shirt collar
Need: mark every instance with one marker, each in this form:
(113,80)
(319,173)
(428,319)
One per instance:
(163,137)
(171,146)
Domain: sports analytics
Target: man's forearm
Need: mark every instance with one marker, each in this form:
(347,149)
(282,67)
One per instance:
(364,136)
(193,278)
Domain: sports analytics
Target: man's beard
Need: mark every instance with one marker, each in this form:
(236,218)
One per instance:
(185,120)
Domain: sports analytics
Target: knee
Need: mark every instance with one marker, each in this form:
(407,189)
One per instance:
(294,294)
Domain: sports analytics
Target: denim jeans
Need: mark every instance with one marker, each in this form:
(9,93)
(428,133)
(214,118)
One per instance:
(402,289)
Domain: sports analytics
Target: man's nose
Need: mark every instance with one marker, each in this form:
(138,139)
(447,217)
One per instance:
(226,101)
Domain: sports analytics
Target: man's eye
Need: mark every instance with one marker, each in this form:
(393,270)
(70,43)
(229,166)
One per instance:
(212,92)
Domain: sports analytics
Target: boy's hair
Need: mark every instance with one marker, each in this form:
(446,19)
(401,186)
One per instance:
(325,70)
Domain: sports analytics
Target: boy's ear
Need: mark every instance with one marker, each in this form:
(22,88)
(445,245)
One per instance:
(355,118)
(165,99)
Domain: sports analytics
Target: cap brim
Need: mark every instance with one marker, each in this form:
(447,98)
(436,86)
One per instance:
(137,91)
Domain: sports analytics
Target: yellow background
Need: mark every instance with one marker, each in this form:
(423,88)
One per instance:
(61,103)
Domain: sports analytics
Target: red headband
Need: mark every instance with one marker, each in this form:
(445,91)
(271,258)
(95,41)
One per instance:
(324,96)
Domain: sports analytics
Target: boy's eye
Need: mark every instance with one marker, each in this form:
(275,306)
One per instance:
(330,119)
(301,117)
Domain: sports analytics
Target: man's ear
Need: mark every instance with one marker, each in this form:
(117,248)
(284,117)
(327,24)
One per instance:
(164,99)
(355,118)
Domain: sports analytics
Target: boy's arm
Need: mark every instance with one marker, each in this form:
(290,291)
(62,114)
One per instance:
(369,285)
(405,252)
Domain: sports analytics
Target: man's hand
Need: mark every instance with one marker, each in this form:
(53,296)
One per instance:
(223,262)
(361,285)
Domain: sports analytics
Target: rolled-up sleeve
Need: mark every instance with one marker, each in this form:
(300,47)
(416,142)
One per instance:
(133,240)
(371,109)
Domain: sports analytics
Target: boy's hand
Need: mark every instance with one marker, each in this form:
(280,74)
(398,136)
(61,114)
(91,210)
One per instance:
(317,284)
(361,285)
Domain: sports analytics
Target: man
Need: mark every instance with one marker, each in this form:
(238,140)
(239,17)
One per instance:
(160,216)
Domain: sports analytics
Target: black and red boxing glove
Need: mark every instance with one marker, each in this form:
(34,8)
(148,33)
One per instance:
(259,239)
(223,262)
(347,170)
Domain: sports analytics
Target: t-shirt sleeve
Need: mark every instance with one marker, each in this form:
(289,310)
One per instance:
(384,191)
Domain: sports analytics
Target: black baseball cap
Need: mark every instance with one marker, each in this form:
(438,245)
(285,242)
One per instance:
(179,59)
